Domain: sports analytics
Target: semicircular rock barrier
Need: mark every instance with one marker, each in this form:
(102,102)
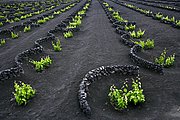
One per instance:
(125,39)
(142,62)
(96,74)
(37,48)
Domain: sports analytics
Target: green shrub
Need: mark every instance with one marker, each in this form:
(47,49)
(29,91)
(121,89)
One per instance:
(118,17)
(147,11)
(9,21)
(23,92)
(78,17)
(57,46)
(42,64)
(120,98)
(57,12)
(106,4)
(131,6)
(29,15)
(86,6)
(160,60)
(16,19)
(37,13)
(110,9)
(27,28)
(172,19)
(68,34)
(2,42)
(3,17)
(170,61)
(23,17)
(136,95)
(41,21)
(75,23)
(159,16)
(130,27)
(177,23)
(149,44)
(14,35)
(46,19)
(1,24)
(166,62)
(82,12)
(169,19)
(63,10)
(51,17)
(137,34)
(141,43)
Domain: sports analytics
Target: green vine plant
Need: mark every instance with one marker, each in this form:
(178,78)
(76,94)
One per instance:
(42,21)
(143,11)
(120,98)
(169,19)
(57,12)
(147,11)
(165,61)
(106,4)
(136,95)
(2,42)
(178,23)
(82,12)
(170,61)
(42,64)
(68,34)
(16,19)
(9,21)
(23,92)
(159,16)
(1,24)
(46,19)
(27,28)
(57,46)
(14,35)
(130,27)
(148,44)
(51,16)
(75,22)
(137,34)
(131,6)
(118,17)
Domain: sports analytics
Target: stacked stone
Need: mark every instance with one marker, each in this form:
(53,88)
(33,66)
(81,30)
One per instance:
(5,32)
(97,74)
(17,27)
(142,62)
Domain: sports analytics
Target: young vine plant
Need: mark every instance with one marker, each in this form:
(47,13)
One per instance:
(23,92)
(42,64)
(57,46)
(120,98)
(165,61)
